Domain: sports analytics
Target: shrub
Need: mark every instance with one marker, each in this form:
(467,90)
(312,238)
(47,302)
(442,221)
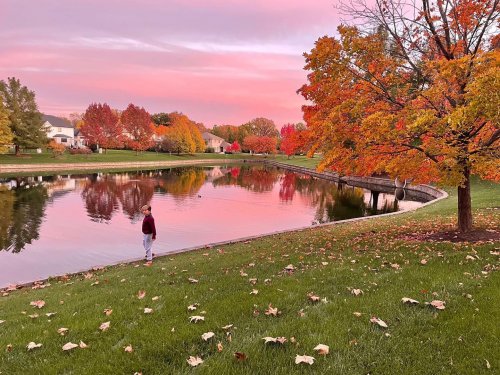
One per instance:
(57,148)
(80,151)
(209,150)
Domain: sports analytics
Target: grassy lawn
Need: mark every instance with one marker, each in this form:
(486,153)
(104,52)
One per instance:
(370,255)
(109,157)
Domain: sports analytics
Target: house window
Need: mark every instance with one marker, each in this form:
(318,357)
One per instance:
(59,130)
(64,140)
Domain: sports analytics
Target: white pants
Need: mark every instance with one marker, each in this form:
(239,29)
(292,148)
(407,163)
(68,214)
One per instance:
(147,242)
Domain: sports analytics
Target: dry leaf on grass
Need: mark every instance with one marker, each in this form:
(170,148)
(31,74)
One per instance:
(39,303)
(141,294)
(275,340)
(62,331)
(304,359)
(240,356)
(322,349)
(193,281)
(33,345)
(82,345)
(437,304)
(128,349)
(229,326)
(50,314)
(272,311)
(313,298)
(148,310)
(356,292)
(409,301)
(219,347)
(194,361)
(207,335)
(105,326)
(108,312)
(254,292)
(192,307)
(196,318)
(356,313)
(379,322)
(69,346)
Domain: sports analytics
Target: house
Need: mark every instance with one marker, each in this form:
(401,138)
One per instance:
(62,131)
(218,144)
(59,129)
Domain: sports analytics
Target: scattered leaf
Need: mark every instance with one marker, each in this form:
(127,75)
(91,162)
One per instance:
(304,359)
(322,349)
(437,304)
(128,348)
(32,346)
(105,326)
(219,347)
(69,346)
(196,318)
(141,294)
(208,335)
(148,310)
(276,340)
(409,301)
(62,331)
(39,303)
(379,322)
(240,356)
(82,345)
(194,361)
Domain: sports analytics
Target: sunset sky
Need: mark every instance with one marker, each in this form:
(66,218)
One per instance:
(218,61)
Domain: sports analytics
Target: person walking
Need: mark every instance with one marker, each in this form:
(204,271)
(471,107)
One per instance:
(149,233)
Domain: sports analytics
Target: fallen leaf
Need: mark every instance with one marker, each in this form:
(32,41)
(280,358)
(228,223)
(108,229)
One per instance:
(9,347)
(208,335)
(39,303)
(240,356)
(437,304)
(423,262)
(105,326)
(409,301)
(32,316)
(276,340)
(229,326)
(50,314)
(290,268)
(254,292)
(196,318)
(108,312)
(378,321)
(141,294)
(322,349)
(148,310)
(271,311)
(304,359)
(193,281)
(356,313)
(128,349)
(155,298)
(69,346)
(194,361)
(356,292)
(62,331)
(314,298)
(219,347)
(82,345)
(32,345)
(192,307)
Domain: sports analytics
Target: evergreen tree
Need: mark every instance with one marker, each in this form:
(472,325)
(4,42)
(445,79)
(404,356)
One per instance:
(25,120)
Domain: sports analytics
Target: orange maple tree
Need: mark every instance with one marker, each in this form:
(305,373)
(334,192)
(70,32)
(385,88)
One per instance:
(260,145)
(416,97)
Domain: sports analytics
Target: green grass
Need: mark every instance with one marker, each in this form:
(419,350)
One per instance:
(457,340)
(110,157)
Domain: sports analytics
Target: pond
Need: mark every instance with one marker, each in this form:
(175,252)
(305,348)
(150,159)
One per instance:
(59,224)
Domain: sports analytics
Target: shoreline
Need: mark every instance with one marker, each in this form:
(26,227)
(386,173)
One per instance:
(437,194)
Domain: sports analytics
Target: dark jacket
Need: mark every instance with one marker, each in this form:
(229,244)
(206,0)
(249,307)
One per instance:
(148,225)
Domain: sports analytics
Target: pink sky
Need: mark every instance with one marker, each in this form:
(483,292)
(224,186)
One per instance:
(218,61)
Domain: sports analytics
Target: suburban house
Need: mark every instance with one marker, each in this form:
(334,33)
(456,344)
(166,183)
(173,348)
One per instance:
(62,131)
(218,144)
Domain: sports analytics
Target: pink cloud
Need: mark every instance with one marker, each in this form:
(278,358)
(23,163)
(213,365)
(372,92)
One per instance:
(217,61)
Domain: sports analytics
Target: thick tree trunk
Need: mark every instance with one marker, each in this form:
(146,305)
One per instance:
(18,150)
(464,204)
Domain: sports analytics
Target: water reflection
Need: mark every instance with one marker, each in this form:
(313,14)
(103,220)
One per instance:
(111,197)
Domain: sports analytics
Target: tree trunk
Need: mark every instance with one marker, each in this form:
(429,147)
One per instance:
(18,150)
(464,204)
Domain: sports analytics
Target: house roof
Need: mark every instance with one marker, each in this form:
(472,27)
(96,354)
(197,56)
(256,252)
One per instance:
(225,144)
(207,136)
(57,122)
(61,136)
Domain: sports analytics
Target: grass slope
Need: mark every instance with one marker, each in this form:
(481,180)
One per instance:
(369,255)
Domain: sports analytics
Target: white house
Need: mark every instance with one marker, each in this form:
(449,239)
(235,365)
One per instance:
(59,129)
(63,131)
(217,143)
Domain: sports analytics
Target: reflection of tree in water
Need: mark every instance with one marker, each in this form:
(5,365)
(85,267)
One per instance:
(24,211)
(347,203)
(182,182)
(134,194)
(287,187)
(101,197)
(256,179)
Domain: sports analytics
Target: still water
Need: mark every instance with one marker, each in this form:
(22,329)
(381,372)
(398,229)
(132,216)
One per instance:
(62,224)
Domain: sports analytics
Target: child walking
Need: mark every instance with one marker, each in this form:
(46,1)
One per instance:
(149,233)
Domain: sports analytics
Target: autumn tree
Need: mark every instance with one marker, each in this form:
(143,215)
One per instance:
(260,145)
(261,127)
(229,133)
(6,135)
(235,147)
(101,126)
(25,121)
(288,145)
(161,118)
(411,88)
(139,130)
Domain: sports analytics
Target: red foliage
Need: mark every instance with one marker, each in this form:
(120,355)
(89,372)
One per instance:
(235,147)
(260,145)
(137,123)
(101,126)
